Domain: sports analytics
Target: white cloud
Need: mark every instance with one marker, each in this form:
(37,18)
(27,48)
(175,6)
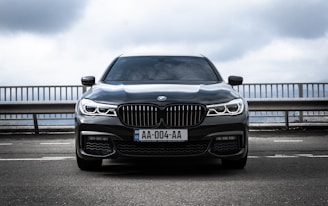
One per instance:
(262,40)
(284,60)
(41,16)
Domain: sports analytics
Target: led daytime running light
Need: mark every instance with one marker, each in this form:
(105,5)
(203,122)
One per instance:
(233,107)
(89,107)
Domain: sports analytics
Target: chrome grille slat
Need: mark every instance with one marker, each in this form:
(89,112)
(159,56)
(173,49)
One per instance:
(147,115)
(187,115)
(182,111)
(140,115)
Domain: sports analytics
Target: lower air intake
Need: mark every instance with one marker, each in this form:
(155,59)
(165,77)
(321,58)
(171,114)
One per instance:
(97,148)
(158,149)
(225,147)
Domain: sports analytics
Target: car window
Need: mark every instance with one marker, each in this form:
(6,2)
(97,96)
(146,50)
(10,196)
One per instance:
(161,68)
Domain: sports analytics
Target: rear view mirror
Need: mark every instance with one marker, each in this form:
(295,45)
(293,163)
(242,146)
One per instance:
(88,81)
(235,80)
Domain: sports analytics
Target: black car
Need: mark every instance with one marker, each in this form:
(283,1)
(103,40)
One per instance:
(161,106)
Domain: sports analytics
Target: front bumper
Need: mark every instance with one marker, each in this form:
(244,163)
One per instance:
(106,137)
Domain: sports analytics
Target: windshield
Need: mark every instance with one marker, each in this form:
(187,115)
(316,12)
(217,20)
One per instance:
(163,69)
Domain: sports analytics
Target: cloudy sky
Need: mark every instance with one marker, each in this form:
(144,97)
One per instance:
(47,42)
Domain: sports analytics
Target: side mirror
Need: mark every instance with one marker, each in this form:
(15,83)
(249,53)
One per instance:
(88,81)
(235,80)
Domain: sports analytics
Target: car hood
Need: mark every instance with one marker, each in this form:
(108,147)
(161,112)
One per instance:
(174,93)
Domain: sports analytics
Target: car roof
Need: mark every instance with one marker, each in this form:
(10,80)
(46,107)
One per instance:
(159,54)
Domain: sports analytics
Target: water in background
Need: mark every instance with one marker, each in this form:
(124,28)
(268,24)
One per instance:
(249,91)
(255,117)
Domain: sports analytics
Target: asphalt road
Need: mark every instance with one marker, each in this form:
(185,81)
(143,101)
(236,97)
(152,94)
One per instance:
(283,169)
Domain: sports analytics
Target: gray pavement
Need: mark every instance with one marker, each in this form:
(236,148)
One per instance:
(284,168)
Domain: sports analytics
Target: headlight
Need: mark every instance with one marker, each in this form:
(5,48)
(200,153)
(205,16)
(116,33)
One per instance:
(89,107)
(233,107)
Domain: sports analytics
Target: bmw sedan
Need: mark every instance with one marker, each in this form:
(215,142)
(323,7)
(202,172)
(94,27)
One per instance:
(161,106)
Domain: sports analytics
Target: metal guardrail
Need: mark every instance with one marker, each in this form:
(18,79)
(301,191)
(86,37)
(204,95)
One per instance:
(20,102)
(294,104)
(283,90)
(299,105)
(66,107)
(282,99)
(41,93)
(249,91)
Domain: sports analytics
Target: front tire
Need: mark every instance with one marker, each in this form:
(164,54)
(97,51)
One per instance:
(88,165)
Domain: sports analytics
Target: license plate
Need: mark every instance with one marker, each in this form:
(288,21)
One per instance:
(160,135)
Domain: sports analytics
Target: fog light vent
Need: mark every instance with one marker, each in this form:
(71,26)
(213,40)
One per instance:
(226,138)
(226,145)
(97,138)
(97,145)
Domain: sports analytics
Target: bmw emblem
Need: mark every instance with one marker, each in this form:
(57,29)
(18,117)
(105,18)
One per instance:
(162,98)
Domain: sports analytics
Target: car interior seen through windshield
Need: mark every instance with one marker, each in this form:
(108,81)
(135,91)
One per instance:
(162,68)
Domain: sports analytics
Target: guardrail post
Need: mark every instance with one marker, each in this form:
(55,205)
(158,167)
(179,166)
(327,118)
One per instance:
(36,126)
(300,95)
(84,89)
(287,120)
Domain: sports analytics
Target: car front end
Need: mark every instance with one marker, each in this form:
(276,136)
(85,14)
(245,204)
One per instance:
(162,119)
